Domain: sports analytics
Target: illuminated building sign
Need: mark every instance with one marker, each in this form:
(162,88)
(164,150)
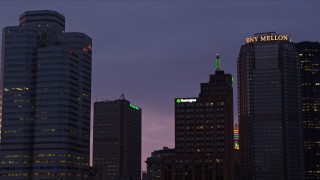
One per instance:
(134,107)
(236,135)
(266,38)
(236,138)
(236,146)
(186,100)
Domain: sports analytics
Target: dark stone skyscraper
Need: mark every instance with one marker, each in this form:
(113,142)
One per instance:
(204,133)
(117,140)
(309,56)
(46,92)
(270,124)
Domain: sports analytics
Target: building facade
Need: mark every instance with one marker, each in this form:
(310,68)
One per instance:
(236,156)
(144,175)
(270,124)
(46,94)
(309,56)
(154,163)
(117,140)
(204,133)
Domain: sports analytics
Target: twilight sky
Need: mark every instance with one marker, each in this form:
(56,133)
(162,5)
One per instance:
(156,51)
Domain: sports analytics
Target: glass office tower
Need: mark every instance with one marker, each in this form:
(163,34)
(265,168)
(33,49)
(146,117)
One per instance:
(270,124)
(46,83)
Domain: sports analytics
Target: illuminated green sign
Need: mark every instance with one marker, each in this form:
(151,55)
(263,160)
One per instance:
(186,100)
(217,62)
(134,107)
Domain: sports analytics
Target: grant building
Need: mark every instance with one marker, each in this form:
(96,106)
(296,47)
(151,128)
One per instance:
(203,133)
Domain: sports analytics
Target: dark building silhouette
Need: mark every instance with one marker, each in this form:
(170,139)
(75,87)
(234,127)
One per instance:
(117,140)
(46,99)
(309,56)
(92,173)
(154,163)
(204,133)
(144,175)
(270,123)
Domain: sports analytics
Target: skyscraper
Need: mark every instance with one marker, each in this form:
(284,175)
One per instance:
(270,124)
(117,140)
(46,94)
(309,56)
(204,133)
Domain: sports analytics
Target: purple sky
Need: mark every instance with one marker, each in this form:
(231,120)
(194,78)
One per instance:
(156,51)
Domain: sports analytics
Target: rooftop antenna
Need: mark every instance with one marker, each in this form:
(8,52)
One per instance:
(217,62)
(122,97)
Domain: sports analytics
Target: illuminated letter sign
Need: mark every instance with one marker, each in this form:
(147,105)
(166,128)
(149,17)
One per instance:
(134,107)
(186,100)
(266,38)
